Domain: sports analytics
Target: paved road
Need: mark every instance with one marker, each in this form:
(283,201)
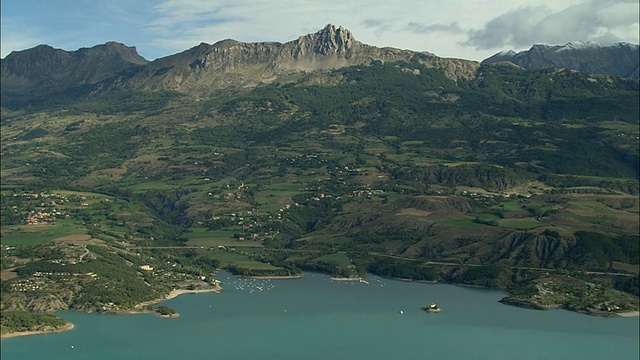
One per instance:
(504,266)
(86,252)
(441,263)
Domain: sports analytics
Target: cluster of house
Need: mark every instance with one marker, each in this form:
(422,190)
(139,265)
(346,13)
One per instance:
(48,213)
(40,217)
(37,195)
(45,273)
(485,196)
(543,291)
(27,285)
(367,192)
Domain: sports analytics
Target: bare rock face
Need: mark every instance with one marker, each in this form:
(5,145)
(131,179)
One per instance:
(46,304)
(230,63)
(530,250)
(328,41)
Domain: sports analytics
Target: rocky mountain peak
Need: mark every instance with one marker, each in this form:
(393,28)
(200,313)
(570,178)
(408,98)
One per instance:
(328,41)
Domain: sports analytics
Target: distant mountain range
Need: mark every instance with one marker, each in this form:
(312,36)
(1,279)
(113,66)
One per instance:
(44,67)
(616,59)
(205,68)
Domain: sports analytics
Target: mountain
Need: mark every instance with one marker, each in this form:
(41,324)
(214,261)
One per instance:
(615,59)
(204,68)
(230,63)
(44,69)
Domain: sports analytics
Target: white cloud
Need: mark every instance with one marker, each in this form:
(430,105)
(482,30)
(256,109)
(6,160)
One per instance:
(181,24)
(593,20)
(457,28)
(451,28)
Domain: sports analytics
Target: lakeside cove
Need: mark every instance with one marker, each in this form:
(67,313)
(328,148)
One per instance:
(349,321)
(531,302)
(142,308)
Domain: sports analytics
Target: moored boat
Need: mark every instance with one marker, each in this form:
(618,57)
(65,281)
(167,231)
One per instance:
(431,308)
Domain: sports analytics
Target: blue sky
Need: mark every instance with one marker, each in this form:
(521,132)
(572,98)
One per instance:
(470,29)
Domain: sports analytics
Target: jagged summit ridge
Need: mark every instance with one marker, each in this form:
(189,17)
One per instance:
(231,63)
(327,41)
(320,48)
(229,53)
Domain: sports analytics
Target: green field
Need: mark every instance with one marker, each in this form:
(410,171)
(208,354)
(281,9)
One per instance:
(510,205)
(151,185)
(205,237)
(341,259)
(38,234)
(521,224)
(286,187)
(237,259)
(276,196)
(594,206)
(460,222)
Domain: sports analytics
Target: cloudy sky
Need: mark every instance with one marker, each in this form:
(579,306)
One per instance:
(469,29)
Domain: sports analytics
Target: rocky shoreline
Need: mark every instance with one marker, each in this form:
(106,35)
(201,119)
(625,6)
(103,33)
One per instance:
(529,304)
(141,308)
(47,330)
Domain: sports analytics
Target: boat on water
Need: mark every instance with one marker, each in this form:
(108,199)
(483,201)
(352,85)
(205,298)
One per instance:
(431,308)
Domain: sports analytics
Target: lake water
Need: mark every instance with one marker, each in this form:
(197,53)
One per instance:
(318,318)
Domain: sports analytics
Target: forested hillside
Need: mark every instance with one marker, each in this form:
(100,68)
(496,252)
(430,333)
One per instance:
(393,167)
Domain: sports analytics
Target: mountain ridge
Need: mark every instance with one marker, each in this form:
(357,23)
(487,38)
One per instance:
(226,63)
(45,67)
(619,59)
(230,64)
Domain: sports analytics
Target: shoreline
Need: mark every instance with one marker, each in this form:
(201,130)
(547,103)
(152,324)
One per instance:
(629,314)
(172,294)
(284,277)
(418,281)
(138,309)
(67,327)
(345,279)
(591,312)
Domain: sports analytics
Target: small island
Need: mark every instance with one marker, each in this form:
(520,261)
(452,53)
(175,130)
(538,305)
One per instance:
(164,311)
(431,308)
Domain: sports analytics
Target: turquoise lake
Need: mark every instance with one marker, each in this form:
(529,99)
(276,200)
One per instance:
(318,318)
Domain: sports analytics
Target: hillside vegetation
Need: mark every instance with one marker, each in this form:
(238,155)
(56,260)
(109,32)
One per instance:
(392,168)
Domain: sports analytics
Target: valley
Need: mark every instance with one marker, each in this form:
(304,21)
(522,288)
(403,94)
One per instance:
(495,177)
